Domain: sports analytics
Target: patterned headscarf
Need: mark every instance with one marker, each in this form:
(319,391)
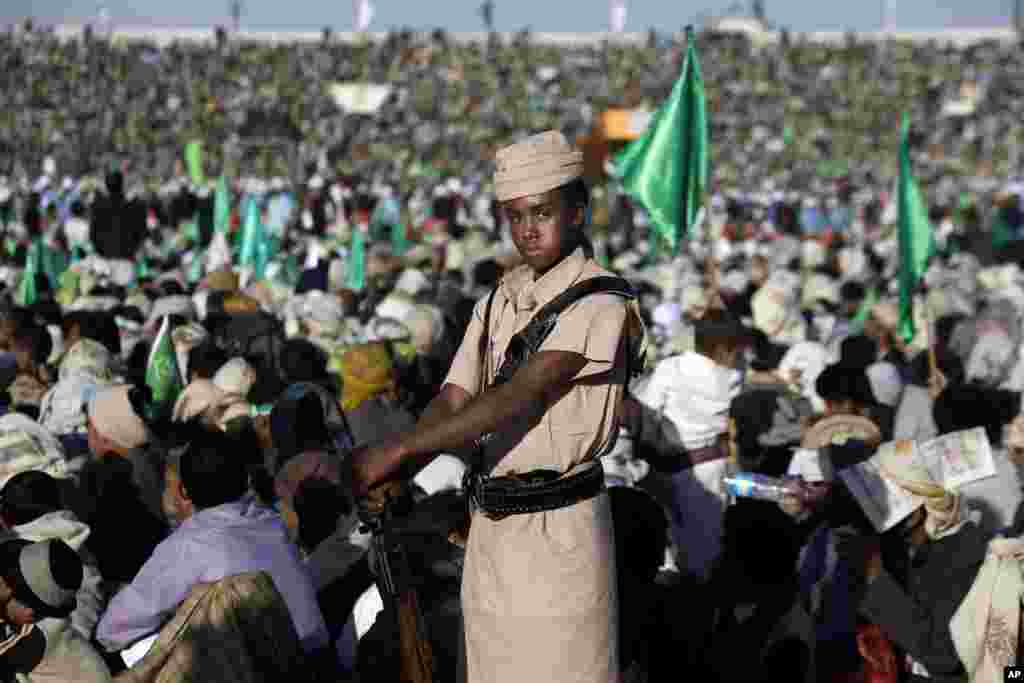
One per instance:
(235,377)
(367,371)
(986,627)
(87,357)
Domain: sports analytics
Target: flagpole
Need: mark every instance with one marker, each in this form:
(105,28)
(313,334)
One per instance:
(936,380)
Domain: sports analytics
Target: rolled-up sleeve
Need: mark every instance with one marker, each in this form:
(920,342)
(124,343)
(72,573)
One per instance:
(466,367)
(592,328)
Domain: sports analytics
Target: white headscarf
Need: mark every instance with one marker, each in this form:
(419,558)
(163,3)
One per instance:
(986,627)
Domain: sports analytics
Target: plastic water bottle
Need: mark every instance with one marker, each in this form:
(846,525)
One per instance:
(760,486)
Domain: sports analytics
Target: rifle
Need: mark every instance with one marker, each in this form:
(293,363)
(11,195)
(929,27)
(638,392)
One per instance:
(397,584)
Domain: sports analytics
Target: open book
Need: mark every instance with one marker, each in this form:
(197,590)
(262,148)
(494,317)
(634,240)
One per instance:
(951,461)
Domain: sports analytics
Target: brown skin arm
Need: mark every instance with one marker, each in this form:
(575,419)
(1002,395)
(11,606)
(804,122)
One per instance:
(451,399)
(450,427)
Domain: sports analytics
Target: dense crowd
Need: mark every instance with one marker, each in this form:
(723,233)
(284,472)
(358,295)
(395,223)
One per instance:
(210,534)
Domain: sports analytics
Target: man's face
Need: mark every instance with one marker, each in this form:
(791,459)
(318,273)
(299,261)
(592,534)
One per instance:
(14,611)
(542,228)
(176,507)
(7,331)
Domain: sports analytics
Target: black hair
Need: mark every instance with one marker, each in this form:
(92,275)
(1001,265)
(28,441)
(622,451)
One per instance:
(486,273)
(37,340)
(852,292)
(858,351)
(47,313)
(137,361)
(753,413)
(303,361)
(27,496)
(130,313)
(576,194)
(65,568)
(100,327)
(717,329)
(318,504)
(42,282)
(206,359)
(212,471)
(945,326)
(171,288)
(971,405)
(297,425)
(840,382)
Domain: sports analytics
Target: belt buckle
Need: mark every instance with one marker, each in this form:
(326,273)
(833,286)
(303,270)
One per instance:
(473,482)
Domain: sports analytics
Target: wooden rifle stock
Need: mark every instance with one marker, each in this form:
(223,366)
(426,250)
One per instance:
(399,593)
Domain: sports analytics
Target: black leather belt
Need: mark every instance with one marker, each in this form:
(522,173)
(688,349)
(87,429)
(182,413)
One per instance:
(687,459)
(535,491)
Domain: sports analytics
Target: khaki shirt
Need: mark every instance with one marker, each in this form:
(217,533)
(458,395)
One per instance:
(578,425)
(538,590)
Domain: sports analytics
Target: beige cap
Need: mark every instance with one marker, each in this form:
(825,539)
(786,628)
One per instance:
(536,165)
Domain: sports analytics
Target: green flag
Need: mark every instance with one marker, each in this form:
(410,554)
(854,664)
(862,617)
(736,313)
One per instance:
(399,244)
(787,135)
(27,293)
(253,252)
(666,169)
(195,268)
(142,267)
(192,230)
(290,270)
(355,269)
(1002,232)
(194,161)
(222,206)
(863,312)
(916,239)
(163,377)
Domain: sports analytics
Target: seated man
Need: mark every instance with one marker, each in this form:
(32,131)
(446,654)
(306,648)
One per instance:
(38,582)
(222,532)
(121,482)
(31,509)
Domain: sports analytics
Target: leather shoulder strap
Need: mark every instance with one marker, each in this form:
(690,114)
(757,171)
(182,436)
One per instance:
(603,284)
(527,341)
(485,340)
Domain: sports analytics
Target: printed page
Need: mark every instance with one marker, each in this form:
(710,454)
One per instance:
(959,458)
(884,503)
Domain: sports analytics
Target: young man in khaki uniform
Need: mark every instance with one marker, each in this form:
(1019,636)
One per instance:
(538,588)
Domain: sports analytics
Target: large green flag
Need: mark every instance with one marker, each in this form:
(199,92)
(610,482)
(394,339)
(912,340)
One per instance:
(194,161)
(163,376)
(666,169)
(27,293)
(221,206)
(917,241)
